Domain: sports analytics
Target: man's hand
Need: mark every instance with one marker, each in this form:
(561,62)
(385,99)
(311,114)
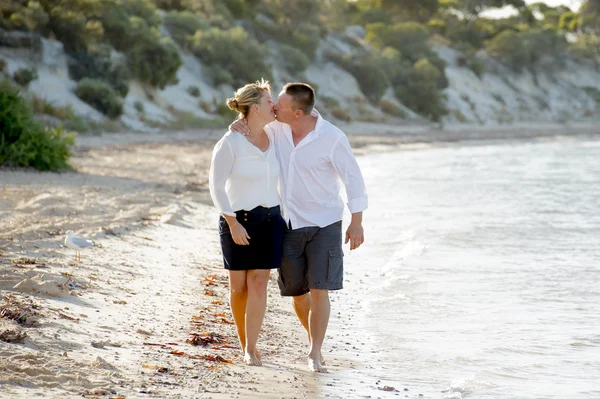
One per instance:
(355,234)
(241,126)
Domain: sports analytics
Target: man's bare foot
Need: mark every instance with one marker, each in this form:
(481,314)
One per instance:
(315,365)
(252,360)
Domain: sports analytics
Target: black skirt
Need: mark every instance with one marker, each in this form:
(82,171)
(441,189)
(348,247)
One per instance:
(265,227)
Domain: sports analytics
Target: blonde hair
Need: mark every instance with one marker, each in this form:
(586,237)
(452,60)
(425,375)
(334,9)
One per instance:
(247,96)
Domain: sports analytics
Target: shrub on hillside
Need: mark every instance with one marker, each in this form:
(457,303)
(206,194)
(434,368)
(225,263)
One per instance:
(2,65)
(232,51)
(128,22)
(96,64)
(391,108)
(293,60)
(154,62)
(304,37)
(182,25)
(468,59)
(410,38)
(587,46)
(526,48)
(101,96)
(370,76)
(419,90)
(24,76)
(24,142)
(70,25)
(193,91)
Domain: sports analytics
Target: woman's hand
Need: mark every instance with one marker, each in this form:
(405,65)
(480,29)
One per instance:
(239,234)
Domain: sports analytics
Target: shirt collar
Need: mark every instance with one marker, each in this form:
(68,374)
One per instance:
(311,136)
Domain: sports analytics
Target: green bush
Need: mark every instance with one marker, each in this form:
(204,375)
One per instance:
(127,23)
(293,60)
(305,37)
(24,142)
(2,65)
(526,48)
(42,106)
(391,108)
(24,76)
(371,77)
(232,51)
(96,64)
(183,25)
(419,90)
(193,91)
(154,62)
(101,96)
(468,59)
(139,107)
(341,114)
(587,46)
(410,38)
(70,25)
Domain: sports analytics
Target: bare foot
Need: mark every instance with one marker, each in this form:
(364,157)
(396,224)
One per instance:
(322,359)
(257,353)
(315,365)
(251,360)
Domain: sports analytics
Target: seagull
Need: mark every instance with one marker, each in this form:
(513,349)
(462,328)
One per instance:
(77,243)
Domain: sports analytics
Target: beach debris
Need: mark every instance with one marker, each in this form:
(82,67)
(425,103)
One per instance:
(13,336)
(24,261)
(77,243)
(388,388)
(95,394)
(217,358)
(205,339)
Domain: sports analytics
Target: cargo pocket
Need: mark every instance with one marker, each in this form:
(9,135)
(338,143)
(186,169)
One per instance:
(335,268)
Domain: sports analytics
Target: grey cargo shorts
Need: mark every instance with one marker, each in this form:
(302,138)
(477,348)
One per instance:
(312,258)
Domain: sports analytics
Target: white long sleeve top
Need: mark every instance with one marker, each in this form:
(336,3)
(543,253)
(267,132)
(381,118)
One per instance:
(312,173)
(241,176)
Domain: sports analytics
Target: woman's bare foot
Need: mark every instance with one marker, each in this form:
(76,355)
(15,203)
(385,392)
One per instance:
(251,359)
(316,366)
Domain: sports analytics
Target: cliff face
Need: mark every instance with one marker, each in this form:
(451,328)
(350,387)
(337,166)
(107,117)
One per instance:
(551,93)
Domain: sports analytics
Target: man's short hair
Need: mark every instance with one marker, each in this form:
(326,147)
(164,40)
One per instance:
(303,96)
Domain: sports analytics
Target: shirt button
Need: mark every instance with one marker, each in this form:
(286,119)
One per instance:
(245,220)
(245,214)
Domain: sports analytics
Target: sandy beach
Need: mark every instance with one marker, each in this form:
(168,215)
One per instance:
(145,312)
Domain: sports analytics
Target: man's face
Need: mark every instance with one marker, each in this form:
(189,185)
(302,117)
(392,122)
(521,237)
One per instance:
(283,108)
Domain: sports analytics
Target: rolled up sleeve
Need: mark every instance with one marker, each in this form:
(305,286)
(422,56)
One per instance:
(220,170)
(345,163)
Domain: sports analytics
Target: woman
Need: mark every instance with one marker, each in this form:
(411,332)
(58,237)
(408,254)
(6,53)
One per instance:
(243,184)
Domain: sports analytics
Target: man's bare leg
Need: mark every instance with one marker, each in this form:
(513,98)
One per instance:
(302,306)
(255,311)
(318,320)
(238,298)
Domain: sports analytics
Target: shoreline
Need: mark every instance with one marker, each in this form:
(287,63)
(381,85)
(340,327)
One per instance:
(116,324)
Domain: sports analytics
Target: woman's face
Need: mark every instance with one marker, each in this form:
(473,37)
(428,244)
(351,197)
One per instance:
(265,107)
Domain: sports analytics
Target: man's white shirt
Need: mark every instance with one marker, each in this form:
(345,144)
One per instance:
(311,174)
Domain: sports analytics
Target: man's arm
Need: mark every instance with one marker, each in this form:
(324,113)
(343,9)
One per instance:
(345,163)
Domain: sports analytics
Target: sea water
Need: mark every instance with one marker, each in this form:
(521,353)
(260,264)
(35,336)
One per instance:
(479,276)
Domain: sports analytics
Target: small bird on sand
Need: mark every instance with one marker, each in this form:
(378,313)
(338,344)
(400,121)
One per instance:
(77,243)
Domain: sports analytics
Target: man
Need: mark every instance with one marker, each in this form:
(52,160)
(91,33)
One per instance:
(315,158)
